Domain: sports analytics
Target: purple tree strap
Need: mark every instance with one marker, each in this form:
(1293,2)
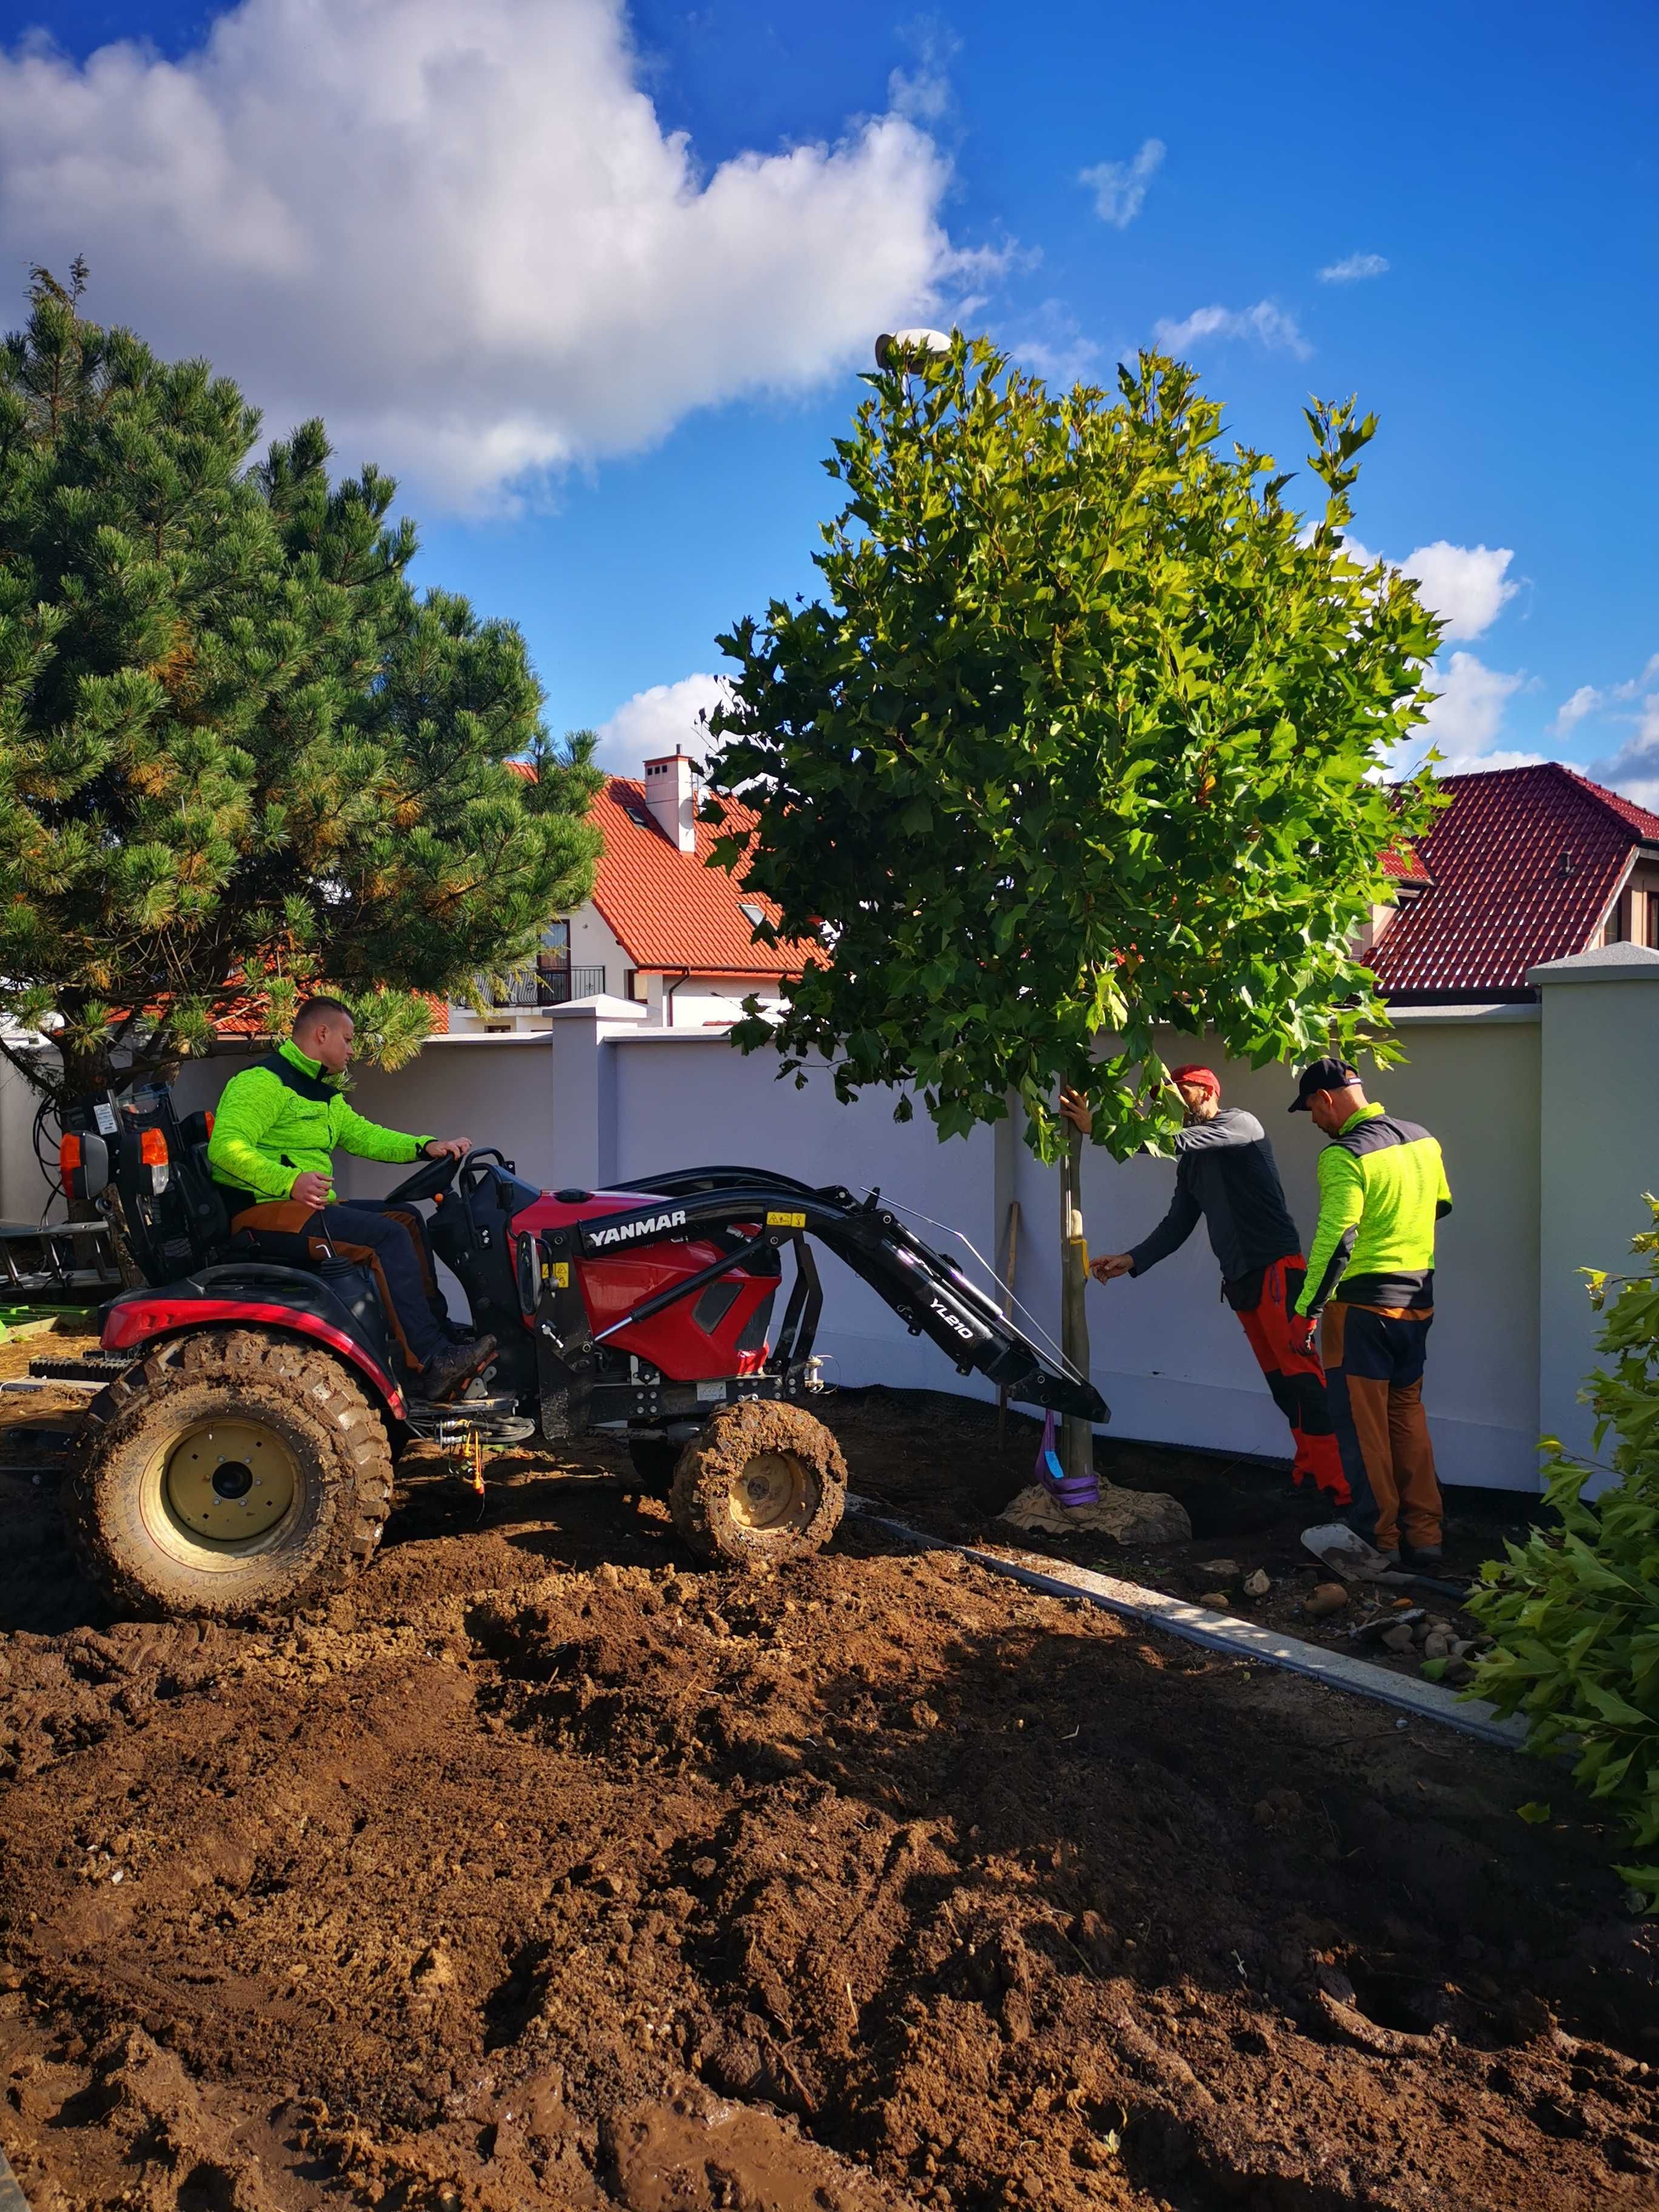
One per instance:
(1070,1491)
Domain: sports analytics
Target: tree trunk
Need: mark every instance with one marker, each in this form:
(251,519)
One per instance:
(1077,1442)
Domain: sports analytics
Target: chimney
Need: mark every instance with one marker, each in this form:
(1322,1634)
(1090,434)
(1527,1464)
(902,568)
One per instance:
(670,794)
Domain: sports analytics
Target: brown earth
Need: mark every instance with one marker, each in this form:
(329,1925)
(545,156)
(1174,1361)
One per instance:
(546,1869)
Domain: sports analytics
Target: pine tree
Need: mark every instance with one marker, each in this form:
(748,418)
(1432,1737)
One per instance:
(240,757)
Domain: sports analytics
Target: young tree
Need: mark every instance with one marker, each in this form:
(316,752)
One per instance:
(1087,736)
(237,755)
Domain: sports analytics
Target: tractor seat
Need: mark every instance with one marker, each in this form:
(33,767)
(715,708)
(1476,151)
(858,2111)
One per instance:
(203,1198)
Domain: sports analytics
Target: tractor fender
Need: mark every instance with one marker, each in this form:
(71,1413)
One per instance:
(137,1321)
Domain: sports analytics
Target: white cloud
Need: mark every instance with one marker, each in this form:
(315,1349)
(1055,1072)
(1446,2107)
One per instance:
(1634,769)
(1356,266)
(1054,347)
(1468,717)
(461,234)
(1465,585)
(924,93)
(1586,700)
(1269,325)
(1120,188)
(659,719)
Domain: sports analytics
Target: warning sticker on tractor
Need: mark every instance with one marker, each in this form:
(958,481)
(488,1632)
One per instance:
(104,1116)
(561,1274)
(706,1391)
(786,1221)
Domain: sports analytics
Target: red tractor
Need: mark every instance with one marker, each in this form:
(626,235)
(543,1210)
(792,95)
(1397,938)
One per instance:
(241,1455)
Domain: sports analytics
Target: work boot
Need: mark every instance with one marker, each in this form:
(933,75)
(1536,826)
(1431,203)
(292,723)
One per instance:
(1420,1559)
(452,1366)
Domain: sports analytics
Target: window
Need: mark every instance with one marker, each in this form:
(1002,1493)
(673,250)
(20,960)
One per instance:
(752,913)
(635,810)
(554,958)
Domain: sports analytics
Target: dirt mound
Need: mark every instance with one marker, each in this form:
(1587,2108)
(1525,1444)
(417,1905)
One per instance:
(545,1869)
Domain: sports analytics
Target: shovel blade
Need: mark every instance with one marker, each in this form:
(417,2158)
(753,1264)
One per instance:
(1335,1545)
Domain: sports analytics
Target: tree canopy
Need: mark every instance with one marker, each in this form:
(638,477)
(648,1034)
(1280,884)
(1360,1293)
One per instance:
(1088,733)
(239,755)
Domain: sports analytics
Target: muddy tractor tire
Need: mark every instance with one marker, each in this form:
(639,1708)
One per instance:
(230,1473)
(763,1484)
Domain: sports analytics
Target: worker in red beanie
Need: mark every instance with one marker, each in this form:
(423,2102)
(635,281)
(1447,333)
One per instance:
(1226,1176)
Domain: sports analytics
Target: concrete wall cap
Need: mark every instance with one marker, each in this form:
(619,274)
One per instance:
(1609,963)
(600,1008)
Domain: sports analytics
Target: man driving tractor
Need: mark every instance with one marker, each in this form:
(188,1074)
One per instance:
(275,1131)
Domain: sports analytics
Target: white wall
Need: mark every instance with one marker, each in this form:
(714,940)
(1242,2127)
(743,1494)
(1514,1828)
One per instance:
(1598,1084)
(1544,1111)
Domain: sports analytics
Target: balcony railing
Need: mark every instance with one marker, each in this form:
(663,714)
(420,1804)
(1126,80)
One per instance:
(550,986)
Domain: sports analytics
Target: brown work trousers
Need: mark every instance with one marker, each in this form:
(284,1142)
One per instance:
(1374,1377)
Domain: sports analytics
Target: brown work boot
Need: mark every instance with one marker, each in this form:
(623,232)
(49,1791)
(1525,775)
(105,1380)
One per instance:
(452,1366)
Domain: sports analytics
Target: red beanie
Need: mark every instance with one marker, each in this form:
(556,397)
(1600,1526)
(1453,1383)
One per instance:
(1203,1078)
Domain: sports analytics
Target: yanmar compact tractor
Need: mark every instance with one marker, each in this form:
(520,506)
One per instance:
(241,1455)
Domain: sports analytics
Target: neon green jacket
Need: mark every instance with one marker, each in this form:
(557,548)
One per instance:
(283,1118)
(1381,1188)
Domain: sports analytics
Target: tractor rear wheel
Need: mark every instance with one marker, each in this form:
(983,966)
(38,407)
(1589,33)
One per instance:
(230,1473)
(763,1484)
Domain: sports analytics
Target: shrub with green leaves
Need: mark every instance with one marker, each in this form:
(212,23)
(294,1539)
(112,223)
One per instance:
(1575,1609)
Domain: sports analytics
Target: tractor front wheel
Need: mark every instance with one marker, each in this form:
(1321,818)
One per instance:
(230,1473)
(763,1484)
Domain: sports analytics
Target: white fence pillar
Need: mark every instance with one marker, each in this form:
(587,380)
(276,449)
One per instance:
(1598,1154)
(584,1100)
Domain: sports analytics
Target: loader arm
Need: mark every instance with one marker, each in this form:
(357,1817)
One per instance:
(928,1293)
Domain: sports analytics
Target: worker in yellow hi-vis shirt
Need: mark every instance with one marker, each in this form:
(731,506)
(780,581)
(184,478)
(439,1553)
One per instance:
(1370,1276)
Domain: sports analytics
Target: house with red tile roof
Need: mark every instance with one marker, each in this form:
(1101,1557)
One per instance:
(662,929)
(1525,865)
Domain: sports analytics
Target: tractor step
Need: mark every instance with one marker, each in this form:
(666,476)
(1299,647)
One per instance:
(86,1367)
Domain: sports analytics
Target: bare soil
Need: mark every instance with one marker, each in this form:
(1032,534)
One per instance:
(546,1869)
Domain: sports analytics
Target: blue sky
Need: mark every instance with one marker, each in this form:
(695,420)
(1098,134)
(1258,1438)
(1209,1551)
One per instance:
(608,401)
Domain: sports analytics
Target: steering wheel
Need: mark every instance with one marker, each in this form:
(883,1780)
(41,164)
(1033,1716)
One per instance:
(428,1180)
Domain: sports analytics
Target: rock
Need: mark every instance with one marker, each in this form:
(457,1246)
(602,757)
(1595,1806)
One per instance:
(1219,1571)
(1435,1646)
(1325,1599)
(1374,1632)
(1397,1638)
(1257,1584)
(1128,1516)
(1216,1600)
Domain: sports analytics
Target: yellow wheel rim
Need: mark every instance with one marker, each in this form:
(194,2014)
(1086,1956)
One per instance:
(229,1481)
(775,1490)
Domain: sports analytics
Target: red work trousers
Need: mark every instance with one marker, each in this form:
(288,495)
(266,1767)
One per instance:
(1296,1379)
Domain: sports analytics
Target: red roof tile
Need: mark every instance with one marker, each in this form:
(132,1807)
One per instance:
(668,909)
(1405,865)
(1522,867)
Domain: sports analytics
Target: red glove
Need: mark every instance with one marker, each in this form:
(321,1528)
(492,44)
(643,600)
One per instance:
(1305,1332)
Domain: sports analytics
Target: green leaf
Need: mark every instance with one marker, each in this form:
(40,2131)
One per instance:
(1533,1813)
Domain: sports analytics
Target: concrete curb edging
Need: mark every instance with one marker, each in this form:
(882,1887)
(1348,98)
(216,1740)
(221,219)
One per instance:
(12,2198)
(1223,1632)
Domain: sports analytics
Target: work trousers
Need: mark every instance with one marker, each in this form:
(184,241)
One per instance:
(390,1240)
(1295,1379)
(1374,1371)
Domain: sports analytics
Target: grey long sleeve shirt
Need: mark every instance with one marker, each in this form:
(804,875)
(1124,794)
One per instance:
(1226,1174)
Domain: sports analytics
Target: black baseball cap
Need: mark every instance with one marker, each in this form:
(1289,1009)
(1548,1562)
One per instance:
(1322,1075)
